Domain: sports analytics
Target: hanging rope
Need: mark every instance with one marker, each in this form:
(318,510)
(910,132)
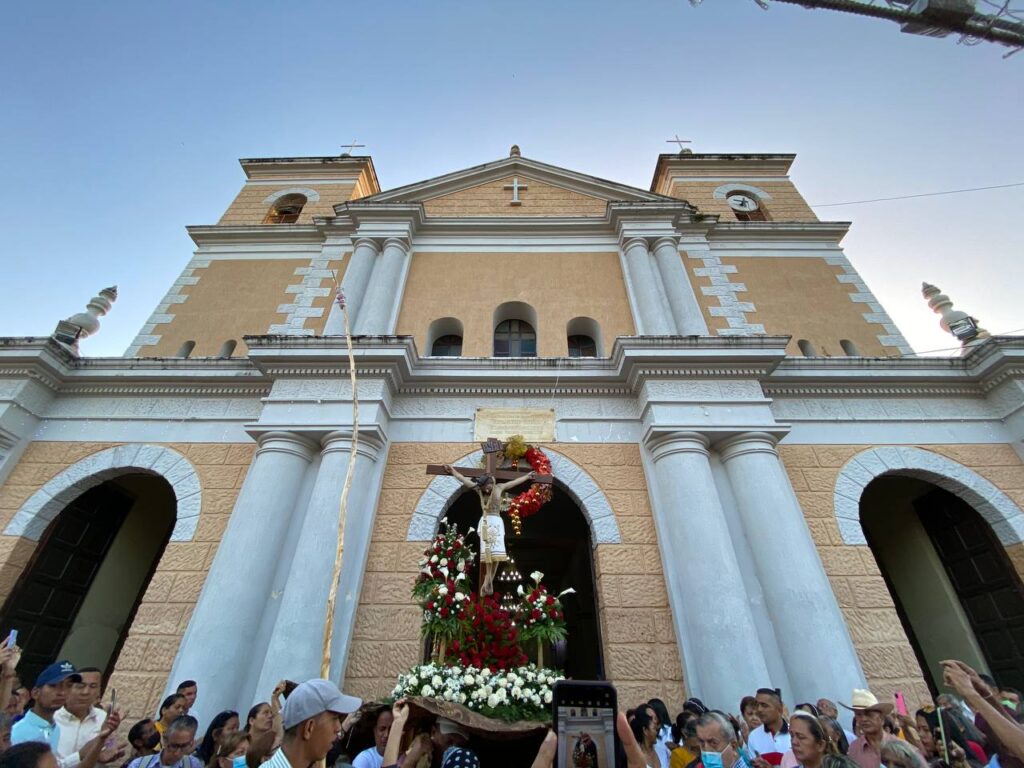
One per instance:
(332,597)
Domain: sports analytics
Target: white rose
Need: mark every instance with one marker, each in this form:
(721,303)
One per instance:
(547,697)
(517,692)
(462,698)
(492,701)
(469,679)
(436,681)
(433,559)
(444,561)
(461,565)
(503,682)
(459,596)
(442,591)
(427,691)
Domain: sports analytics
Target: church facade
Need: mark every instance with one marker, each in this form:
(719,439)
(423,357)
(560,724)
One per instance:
(756,480)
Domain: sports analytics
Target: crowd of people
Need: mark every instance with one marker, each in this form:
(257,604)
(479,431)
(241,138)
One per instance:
(58,722)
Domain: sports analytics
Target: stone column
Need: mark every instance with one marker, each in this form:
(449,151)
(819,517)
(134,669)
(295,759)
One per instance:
(813,638)
(681,299)
(654,322)
(215,648)
(710,609)
(294,651)
(379,312)
(354,284)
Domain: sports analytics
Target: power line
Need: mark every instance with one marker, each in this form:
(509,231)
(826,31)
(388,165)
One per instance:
(923,194)
(953,349)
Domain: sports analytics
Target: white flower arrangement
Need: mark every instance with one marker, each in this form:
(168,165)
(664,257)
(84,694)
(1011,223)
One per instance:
(524,693)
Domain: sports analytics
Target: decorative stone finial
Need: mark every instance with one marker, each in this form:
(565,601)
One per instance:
(964,327)
(83,324)
(514,152)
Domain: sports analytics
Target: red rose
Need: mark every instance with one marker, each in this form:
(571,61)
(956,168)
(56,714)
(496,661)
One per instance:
(551,600)
(535,614)
(444,613)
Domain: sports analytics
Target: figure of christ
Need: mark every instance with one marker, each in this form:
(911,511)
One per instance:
(491,527)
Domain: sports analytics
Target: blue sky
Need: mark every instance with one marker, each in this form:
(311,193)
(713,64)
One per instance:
(123,121)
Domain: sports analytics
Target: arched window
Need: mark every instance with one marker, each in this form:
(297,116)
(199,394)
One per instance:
(515,338)
(186,349)
(286,210)
(849,348)
(227,349)
(514,330)
(583,336)
(447,346)
(444,337)
(582,346)
(807,349)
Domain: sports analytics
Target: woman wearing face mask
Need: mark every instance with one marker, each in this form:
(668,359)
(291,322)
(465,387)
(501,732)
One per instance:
(810,740)
(645,731)
(231,752)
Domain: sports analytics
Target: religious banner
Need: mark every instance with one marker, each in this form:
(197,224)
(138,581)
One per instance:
(536,425)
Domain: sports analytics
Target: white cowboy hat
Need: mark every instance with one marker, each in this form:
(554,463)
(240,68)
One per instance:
(864,700)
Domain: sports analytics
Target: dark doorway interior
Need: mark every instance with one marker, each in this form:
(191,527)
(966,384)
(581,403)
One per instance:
(556,541)
(78,594)
(955,590)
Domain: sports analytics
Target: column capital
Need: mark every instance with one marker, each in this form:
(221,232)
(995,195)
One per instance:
(666,241)
(370,443)
(286,442)
(398,242)
(662,444)
(366,242)
(632,242)
(746,443)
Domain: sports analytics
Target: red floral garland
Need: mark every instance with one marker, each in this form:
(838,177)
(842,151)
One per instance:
(536,496)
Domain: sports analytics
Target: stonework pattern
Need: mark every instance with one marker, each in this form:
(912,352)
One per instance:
(886,654)
(538,199)
(639,645)
(144,663)
(306,299)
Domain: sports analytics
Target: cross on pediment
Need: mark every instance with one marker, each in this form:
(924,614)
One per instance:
(350,147)
(492,449)
(515,186)
(678,141)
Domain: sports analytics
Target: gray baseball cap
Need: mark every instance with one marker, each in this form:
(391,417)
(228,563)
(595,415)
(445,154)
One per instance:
(311,698)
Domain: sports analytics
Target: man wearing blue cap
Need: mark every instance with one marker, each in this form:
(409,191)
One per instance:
(312,722)
(49,694)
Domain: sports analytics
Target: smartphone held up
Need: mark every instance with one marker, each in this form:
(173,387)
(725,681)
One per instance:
(583,713)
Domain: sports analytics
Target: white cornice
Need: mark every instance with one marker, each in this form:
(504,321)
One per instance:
(217,234)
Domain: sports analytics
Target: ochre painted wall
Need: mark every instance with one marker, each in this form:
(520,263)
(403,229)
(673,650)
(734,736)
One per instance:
(492,199)
(559,286)
(145,661)
(802,298)
(885,653)
(234,297)
(640,651)
(249,206)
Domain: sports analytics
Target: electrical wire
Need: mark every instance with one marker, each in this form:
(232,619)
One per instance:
(923,194)
(953,349)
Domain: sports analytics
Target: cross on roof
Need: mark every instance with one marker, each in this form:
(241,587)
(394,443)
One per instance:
(515,186)
(678,141)
(350,147)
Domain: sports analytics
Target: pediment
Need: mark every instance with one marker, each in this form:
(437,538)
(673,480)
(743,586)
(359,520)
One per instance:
(515,186)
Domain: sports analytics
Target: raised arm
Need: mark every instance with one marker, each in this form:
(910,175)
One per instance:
(518,481)
(459,476)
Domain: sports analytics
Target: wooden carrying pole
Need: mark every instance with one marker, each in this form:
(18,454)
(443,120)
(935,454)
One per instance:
(332,596)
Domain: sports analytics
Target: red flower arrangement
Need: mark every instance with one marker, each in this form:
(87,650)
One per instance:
(536,496)
(492,640)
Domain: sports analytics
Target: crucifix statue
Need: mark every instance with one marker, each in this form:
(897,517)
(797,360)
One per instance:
(486,483)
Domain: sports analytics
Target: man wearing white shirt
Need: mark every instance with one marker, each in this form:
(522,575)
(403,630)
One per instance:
(769,742)
(80,719)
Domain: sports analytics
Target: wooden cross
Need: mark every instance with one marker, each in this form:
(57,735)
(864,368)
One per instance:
(678,141)
(350,147)
(491,449)
(515,186)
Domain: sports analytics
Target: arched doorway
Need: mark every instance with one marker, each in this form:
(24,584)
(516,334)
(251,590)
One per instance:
(956,592)
(76,598)
(557,542)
